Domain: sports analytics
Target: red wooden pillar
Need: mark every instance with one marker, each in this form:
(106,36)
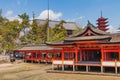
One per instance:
(38,55)
(32,56)
(46,57)
(62,55)
(80,54)
(102,53)
(76,52)
(119,53)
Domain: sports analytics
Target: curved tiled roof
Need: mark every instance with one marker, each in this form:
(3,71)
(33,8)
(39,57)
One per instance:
(67,25)
(115,37)
(37,47)
(84,38)
(93,28)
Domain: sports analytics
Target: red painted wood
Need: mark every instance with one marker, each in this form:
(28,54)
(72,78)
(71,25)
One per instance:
(80,54)
(76,53)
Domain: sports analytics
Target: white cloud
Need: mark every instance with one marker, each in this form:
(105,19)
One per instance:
(112,29)
(9,13)
(52,15)
(9,16)
(19,2)
(76,19)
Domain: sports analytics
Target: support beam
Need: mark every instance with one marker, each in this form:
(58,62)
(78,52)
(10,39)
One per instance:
(62,67)
(116,67)
(73,67)
(102,69)
(76,67)
(115,70)
(87,68)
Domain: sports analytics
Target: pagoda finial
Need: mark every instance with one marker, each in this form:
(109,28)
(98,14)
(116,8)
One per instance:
(101,13)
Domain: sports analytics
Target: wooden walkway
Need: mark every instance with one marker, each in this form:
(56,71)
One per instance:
(88,63)
(83,72)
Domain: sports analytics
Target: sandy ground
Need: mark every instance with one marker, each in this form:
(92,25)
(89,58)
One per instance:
(28,71)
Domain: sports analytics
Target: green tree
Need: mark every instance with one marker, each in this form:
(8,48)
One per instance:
(33,36)
(10,33)
(59,32)
(25,22)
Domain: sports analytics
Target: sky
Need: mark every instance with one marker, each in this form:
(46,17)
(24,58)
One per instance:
(79,11)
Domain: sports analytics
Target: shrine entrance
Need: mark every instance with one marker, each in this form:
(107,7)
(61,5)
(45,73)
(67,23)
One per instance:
(91,55)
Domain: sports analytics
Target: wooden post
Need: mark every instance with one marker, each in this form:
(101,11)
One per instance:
(87,68)
(116,66)
(62,67)
(32,57)
(52,64)
(46,58)
(25,57)
(58,66)
(73,65)
(101,66)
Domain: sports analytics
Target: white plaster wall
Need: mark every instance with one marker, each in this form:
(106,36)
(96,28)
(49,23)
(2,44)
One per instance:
(108,63)
(57,62)
(68,62)
(118,63)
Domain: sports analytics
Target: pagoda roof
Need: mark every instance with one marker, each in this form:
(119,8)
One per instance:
(92,28)
(102,18)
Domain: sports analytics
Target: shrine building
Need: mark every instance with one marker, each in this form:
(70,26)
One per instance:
(91,47)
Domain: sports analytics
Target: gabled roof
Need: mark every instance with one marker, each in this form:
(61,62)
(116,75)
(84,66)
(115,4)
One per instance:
(67,25)
(101,36)
(36,47)
(86,38)
(92,28)
(115,37)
